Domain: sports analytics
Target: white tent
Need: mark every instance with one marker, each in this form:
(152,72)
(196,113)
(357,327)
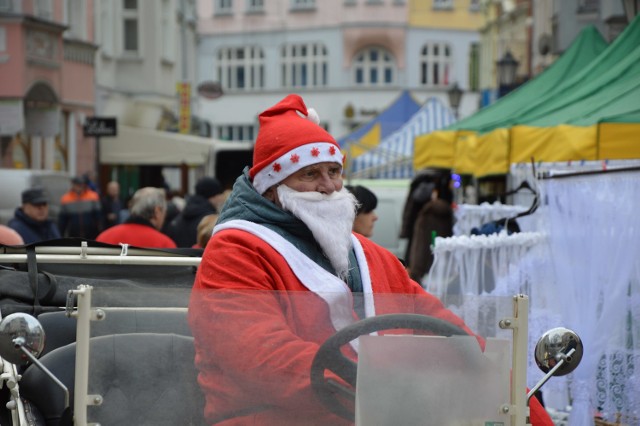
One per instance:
(140,146)
(393,157)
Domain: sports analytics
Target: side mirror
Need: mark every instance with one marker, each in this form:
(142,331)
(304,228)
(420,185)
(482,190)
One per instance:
(19,332)
(556,345)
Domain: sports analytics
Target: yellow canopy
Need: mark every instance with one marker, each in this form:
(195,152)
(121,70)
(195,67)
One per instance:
(558,143)
(619,141)
(435,149)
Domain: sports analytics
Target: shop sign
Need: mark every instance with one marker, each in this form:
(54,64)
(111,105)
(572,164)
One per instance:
(100,126)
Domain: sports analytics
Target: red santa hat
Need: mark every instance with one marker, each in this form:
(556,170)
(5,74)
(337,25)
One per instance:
(289,139)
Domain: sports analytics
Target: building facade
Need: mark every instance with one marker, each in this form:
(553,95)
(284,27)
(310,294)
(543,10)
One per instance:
(145,70)
(46,86)
(536,32)
(349,59)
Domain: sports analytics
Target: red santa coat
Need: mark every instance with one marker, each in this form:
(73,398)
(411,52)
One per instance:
(257,325)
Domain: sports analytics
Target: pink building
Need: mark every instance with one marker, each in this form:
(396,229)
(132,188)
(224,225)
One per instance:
(47,85)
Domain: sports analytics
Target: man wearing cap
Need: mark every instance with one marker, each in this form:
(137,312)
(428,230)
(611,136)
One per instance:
(285,232)
(31,220)
(207,200)
(80,211)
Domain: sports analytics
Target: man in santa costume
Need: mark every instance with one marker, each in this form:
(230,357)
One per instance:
(282,272)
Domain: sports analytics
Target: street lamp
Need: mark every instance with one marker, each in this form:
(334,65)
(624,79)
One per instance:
(455,96)
(507,67)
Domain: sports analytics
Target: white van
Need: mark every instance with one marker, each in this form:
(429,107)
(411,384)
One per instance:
(14,181)
(391,194)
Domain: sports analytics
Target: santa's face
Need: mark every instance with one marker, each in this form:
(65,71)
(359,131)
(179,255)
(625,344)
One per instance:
(329,216)
(324,178)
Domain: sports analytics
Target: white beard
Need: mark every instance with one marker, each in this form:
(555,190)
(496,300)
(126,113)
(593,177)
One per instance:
(330,219)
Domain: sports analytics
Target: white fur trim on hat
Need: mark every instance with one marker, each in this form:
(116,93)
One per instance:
(312,115)
(294,160)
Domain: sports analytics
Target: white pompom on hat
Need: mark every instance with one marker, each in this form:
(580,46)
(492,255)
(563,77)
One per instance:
(289,139)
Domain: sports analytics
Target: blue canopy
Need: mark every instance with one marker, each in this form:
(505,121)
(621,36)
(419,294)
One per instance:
(393,157)
(390,120)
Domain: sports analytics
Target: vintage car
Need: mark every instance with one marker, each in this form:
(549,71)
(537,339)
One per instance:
(99,334)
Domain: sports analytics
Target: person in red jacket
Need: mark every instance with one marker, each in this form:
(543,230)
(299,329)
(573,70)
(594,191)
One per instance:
(283,272)
(142,228)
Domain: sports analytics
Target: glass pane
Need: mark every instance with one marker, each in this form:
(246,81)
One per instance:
(373,55)
(388,75)
(425,50)
(131,4)
(373,76)
(436,50)
(359,76)
(436,79)
(423,73)
(131,34)
(303,75)
(240,77)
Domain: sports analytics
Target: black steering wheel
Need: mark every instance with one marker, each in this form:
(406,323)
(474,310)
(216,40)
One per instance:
(329,357)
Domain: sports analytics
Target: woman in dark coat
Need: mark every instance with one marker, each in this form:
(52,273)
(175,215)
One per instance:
(428,213)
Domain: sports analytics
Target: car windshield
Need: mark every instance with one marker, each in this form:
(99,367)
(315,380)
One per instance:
(254,350)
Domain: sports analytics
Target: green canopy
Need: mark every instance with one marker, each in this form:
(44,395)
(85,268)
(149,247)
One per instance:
(608,89)
(588,45)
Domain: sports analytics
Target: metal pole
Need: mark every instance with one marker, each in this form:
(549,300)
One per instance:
(81,384)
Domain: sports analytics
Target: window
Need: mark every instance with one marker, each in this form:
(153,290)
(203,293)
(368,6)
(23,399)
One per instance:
(167,34)
(588,6)
(255,5)
(74,18)
(304,65)
(303,4)
(130,27)
(3,39)
(474,67)
(5,5)
(241,68)
(435,64)
(374,66)
(43,9)
(223,7)
(105,27)
(238,132)
(443,4)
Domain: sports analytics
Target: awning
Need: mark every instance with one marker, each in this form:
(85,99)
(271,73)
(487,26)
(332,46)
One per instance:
(143,146)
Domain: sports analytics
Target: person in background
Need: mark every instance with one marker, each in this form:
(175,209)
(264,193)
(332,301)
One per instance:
(208,199)
(91,180)
(9,237)
(366,216)
(429,213)
(111,205)
(286,231)
(175,204)
(31,220)
(80,211)
(205,228)
(142,228)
